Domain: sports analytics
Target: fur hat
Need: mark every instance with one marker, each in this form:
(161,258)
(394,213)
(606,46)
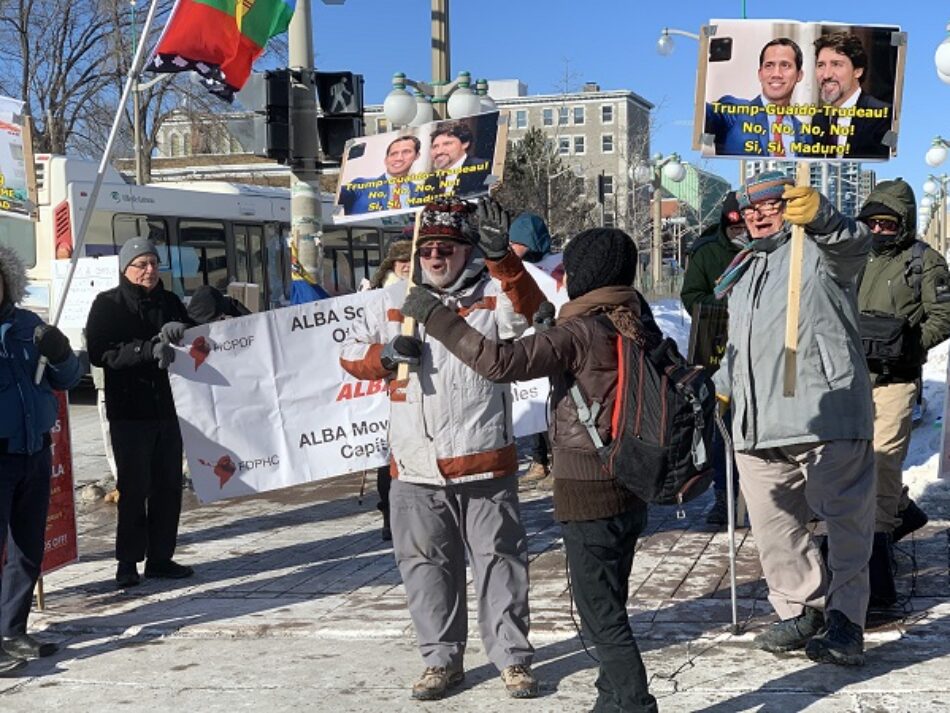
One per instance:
(766,186)
(13,272)
(448,218)
(599,257)
(133,248)
(399,251)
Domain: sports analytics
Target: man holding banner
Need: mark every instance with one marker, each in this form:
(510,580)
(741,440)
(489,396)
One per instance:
(454,461)
(27,413)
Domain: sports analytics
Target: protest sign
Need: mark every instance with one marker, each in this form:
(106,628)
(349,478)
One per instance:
(14,184)
(61,545)
(785,89)
(400,171)
(263,402)
(708,335)
(93,275)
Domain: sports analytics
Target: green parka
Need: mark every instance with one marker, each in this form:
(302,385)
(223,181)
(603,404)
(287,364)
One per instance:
(709,258)
(885,286)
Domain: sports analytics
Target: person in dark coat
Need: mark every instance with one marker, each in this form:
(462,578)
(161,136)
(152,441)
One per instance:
(128,334)
(27,413)
(208,304)
(601,520)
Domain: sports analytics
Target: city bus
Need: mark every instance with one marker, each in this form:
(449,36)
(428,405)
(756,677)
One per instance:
(207,232)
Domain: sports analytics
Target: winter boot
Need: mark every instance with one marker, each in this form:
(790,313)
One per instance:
(881,572)
(719,513)
(791,634)
(386,533)
(912,518)
(536,471)
(840,642)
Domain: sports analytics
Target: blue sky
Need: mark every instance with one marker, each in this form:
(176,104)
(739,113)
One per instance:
(614,43)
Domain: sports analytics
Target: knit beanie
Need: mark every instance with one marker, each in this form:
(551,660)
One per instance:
(730,215)
(448,218)
(529,230)
(133,248)
(766,186)
(208,304)
(873,209)
(599,257)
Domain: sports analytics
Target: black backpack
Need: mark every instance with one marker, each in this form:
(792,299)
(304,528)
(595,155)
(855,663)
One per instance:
(662,423)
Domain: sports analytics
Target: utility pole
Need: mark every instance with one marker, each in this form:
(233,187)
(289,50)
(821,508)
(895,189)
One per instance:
(441,69)
(306,207)
(656,252)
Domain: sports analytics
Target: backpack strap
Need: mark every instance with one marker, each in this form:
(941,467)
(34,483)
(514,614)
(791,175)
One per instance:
(914,272)
(587,415)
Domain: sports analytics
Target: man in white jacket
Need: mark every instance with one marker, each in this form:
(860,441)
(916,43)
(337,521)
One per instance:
(454,462)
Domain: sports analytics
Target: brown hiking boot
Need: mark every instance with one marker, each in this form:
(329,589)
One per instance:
(436,682)
(546,484)
(519,681)
(536,471)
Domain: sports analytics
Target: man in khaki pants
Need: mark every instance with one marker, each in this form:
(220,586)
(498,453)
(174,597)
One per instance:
(810,452)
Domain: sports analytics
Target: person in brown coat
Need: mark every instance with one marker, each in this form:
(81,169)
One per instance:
(600,519)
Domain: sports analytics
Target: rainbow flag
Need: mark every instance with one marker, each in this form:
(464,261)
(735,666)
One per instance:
(219,39)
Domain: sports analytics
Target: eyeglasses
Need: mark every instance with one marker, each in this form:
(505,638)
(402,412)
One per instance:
(430,251)
(765,209)
(144,265)
(885,225)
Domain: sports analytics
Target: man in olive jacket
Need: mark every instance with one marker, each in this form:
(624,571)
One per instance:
(903,278)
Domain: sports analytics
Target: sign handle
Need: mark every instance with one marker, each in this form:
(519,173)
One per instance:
(408,323)
(802,178)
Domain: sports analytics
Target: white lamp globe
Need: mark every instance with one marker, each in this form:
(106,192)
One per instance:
(675,171)
(926,202)
(399,107)
(643,173)
(463,102)
(664,45)
(936,155)
(942,57)
(424,112)
(930,186)
(945,78)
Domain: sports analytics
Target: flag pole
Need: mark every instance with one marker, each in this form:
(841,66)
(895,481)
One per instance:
(132,77)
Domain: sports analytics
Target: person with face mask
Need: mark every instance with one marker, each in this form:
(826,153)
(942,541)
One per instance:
(906,279)
(809,452)
(708,257)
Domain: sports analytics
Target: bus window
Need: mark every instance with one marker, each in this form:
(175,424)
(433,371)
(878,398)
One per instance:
(125,226)
(278,264)
(366,252)
(249,256)
(205,240)
(19,235)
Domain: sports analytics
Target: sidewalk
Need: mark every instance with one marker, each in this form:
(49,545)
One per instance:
(297,605)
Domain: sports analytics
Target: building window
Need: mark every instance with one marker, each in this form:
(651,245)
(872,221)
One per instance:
(608,185)
(176,145)
(564,145)
(578,116)
(580,145)
(521,119)
(607,143)
(382,125)
(548,117)
(607,114)
(609,220)
(563,114)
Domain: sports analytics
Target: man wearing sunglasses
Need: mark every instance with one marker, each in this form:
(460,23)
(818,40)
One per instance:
(809,452)
(453,461)
(905,283)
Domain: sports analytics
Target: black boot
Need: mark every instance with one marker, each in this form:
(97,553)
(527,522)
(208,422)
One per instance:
(912,518)
(881,572)
(386,533)
(719,513)
(791,634)
(840,642)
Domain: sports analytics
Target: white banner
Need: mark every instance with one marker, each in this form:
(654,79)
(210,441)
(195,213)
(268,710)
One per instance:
(93,275)
(263,402)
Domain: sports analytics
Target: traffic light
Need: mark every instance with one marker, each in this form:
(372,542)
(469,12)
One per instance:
(601,189)
(340,98)
(267,94)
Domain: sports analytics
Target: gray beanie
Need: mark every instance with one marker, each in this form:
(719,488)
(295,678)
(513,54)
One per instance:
(133,248)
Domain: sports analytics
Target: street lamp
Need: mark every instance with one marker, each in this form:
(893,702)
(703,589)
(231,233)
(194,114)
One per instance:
(937,153)
(665,45)
(455,98)
(652,172)
(934,208)
(942,58)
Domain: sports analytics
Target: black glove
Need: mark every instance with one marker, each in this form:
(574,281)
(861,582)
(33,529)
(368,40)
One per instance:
(174,331)
(419,304)
(493,225)
(51,343)
(162,351)
(401,350)
(544,317)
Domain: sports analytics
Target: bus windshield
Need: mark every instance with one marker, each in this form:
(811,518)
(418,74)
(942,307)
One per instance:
(18,234)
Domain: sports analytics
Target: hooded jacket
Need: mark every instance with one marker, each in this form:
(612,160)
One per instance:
(885,286)
(27,411)
(447,423)
(709,258)
(832,398)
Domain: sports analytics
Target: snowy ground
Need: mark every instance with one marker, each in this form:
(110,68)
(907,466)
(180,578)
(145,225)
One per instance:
(922,463)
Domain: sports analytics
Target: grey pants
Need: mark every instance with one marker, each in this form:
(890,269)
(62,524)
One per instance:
(433,529)
(782,487)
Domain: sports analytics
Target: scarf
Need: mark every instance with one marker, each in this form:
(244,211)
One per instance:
(727,280)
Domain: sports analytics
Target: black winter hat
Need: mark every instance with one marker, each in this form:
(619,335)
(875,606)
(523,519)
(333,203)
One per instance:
(730,214)
(599,257)
(873,208)
(207,304)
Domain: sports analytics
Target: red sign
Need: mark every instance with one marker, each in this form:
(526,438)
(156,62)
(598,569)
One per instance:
(61,546)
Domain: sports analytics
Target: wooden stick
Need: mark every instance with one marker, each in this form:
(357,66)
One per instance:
(40,595)
(802,178)
(408,323)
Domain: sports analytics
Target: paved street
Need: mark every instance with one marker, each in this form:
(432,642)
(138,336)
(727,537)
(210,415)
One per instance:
(297,604)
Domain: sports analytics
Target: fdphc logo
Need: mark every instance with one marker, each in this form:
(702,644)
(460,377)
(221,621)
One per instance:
(224,468)
(199,351)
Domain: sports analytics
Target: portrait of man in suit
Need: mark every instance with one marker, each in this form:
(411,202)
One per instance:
(762,126)
(454,171)
(390,191)
(852,122)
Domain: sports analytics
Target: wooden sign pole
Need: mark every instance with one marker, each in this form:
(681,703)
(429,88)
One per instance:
(802,178)
(408,323)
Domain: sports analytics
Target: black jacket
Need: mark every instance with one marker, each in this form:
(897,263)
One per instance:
(865,142)
(119,332)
